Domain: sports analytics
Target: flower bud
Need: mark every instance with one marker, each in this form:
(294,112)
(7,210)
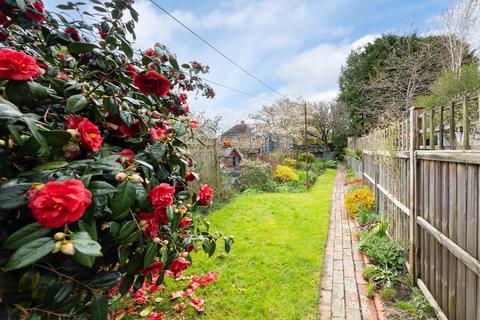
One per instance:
(156,240)
(177,211)
(59,236)
(182,210)
(121,176)
(71,150)
(73,132)
(165,242)
(57,246)
(135,178)
(67,248)
(184,254)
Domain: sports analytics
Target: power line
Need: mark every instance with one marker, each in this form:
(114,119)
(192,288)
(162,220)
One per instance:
(215,49)
(237,90)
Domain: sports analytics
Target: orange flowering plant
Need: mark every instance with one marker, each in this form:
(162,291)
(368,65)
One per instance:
(359,198)
(95,179)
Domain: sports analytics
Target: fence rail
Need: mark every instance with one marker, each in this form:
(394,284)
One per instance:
(426,183)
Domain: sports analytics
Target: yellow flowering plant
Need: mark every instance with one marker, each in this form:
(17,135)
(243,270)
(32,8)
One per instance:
(359,198)
(285,174)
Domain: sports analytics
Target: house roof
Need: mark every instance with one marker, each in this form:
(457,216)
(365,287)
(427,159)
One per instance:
(226,152)
(241,128)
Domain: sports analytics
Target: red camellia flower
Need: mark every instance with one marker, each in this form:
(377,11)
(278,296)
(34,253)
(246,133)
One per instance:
(4,21)
(73,33)
(153,269)
(131,70)
(36,12)
(160,214)
(129,131)
(148,223)
(190,176)
(185,222)
(193,123)
(17,65)
(152,82)
(159,134)
(59,203)
(150,52)
(89,133)
(178,265)
(161,196)
(205,195)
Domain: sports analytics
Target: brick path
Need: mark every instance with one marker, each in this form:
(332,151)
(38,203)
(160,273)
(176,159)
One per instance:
(343,293)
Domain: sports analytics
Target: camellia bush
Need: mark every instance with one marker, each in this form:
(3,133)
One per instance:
(96,202)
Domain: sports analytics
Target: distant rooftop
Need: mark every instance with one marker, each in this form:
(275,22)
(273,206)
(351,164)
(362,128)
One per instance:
(241,128)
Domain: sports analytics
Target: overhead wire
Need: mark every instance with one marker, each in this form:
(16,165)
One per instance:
(216,50)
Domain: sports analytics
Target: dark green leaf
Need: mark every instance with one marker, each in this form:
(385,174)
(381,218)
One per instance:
(124,198)
(126,230)
(126,47)
(76,103)
(99,188)
(7,111)
(106,280)
(183,195)
(90,228)
(85,244)
(24,235)
(83,259)
(56,138)
(81,47)
(126,284)
(13,195)
(44,149)
(30,253)
(151,253)
(99,307)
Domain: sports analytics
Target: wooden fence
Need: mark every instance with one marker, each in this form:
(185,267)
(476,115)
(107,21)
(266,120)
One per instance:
(207,162)
(425,175)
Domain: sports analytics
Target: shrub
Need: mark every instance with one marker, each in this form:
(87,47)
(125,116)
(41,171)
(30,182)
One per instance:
(371,290)
(332,164)
(96,190)
(357,199)
(306,157)
(289,162)
(285,174)
(254,174)
(383,252)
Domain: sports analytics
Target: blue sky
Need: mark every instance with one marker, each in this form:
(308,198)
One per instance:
(297,47)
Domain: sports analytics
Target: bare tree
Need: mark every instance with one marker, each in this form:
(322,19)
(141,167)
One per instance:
(320,120)
(462,23)
(410,68)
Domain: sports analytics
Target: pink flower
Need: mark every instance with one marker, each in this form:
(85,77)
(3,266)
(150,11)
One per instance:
(193,123)
(178,265)
(176,294)
(156,316)
(211,276)
(205,195)
(153,269)
(197,304)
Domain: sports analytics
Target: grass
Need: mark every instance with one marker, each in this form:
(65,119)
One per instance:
(273,269)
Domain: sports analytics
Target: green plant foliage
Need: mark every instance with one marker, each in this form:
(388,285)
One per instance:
(383,252)
(306,157)
(371,290)
(381,276)
(450,85)
(366,216)
(289,162)
(387,293)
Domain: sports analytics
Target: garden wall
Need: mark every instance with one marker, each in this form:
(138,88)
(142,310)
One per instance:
(433,209)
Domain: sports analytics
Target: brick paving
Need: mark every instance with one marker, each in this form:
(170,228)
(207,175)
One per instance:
(343,292)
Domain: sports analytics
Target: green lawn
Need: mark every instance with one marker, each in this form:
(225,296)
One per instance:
(273,269)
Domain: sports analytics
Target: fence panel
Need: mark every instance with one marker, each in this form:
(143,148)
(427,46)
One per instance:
(425,175)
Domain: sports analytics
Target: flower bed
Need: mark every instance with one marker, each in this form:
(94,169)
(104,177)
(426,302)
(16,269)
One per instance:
(385,262)
(96,194)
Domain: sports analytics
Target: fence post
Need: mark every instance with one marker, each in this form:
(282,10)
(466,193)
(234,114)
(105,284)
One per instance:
(413,135)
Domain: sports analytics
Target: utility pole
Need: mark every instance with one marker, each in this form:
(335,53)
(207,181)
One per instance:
(305,141)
